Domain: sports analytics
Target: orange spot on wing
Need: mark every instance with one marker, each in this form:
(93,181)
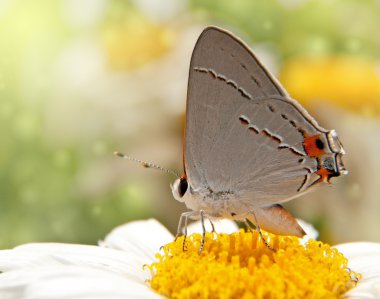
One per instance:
(313,146)
(324,175)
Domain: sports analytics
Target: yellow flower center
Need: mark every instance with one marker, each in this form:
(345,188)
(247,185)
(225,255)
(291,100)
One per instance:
(241,266)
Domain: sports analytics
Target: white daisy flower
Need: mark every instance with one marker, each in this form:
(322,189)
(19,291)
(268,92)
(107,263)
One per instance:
(115,268)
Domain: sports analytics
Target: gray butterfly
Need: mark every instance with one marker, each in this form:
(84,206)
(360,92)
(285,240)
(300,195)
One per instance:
(248,145)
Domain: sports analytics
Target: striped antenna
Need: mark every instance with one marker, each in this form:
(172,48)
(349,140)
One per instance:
(147,164)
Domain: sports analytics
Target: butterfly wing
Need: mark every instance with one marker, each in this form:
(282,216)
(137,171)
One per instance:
(244,134)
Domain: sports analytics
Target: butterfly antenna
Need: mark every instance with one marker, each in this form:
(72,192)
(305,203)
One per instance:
(147,164)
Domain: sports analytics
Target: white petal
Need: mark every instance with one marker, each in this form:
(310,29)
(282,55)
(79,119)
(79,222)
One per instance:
(311,232)
(356,249)
(364,257)
(142,239)
(30,256)
(221,226)
(56,282)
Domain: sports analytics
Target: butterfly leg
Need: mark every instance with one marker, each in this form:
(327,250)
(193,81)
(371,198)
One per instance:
(179,227)
(212,226)
(203,231)
(184,218)
(184,215)
(258,229)
(248,225)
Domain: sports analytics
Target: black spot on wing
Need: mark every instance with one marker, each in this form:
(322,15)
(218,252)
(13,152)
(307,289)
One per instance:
(243,120)
(253,129)
(229,82)
(319,144)
(270,107)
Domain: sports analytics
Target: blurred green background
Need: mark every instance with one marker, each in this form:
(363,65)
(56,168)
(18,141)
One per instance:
(80,79)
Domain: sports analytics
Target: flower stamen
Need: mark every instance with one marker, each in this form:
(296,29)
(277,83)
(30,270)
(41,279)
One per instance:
(240,265)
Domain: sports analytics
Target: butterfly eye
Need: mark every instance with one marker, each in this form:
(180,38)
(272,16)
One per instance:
(319,144)
(182,187)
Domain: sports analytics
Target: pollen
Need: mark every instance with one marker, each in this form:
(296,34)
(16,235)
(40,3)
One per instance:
(240,265)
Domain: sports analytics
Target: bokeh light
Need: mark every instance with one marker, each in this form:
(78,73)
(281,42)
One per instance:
(80,79)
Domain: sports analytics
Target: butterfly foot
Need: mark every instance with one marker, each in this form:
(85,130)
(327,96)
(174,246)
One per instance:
(265,241)
(184,244)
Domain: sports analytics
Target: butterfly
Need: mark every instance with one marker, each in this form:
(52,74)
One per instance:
(248,146)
